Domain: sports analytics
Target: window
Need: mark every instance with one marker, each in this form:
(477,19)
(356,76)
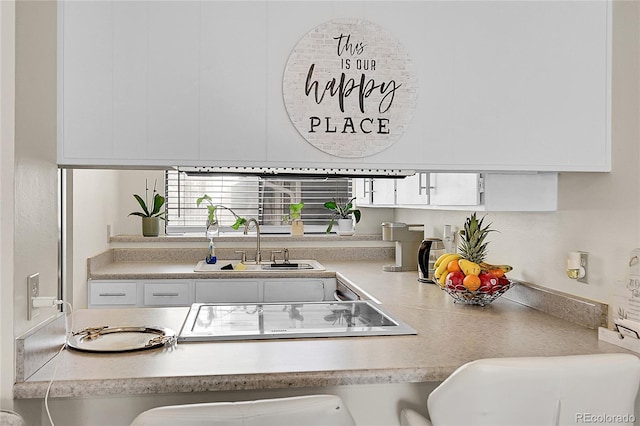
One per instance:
(266,199)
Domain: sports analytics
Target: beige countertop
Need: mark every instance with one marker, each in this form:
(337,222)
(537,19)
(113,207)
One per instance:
(449,335)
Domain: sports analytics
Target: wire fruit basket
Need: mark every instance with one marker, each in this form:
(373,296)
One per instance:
(479,297)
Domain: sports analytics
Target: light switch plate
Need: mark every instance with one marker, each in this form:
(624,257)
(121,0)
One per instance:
(33,290)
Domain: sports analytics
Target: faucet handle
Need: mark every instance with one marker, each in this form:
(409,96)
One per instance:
(244,255)
(273,255)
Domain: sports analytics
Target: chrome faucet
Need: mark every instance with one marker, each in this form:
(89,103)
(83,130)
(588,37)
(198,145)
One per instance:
(246,228)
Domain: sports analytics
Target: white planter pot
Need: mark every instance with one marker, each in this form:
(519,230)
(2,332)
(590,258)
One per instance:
(345,227)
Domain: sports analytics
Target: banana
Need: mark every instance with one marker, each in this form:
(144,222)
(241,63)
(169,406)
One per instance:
(446,258)
(442,280)
(488,266)
(439,259)
(441,270)
(468,267)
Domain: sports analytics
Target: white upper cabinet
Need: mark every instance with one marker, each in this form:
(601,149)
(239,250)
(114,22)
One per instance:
(413,190)
(378,192)
(504,191)
(454,189)
(501,85)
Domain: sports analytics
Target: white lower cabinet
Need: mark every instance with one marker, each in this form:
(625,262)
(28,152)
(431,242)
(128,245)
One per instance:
(173,293)
(170,292)
(227,291)
(265,290)
(113,294)
(308,290)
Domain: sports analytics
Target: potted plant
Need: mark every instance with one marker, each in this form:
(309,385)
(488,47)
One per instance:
(344,213)
(212,220)
(295,211)
(151,215)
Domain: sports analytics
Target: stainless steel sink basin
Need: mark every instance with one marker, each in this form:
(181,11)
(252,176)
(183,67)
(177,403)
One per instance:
(232,266)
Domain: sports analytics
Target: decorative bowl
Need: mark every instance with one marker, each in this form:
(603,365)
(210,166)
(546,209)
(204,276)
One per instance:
(478,297)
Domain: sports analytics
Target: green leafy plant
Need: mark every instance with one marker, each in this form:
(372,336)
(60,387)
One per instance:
(295,211)
(211,208)
(155,210)
(341,209)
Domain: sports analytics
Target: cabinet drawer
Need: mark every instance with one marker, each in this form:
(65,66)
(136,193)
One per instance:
(167,294)
(112,293)
(228,291)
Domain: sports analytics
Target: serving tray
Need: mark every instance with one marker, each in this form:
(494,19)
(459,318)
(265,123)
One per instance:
(121,339)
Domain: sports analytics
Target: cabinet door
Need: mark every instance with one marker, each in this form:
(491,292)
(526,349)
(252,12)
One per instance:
(108,294)
(85,110)
(375,191)
(454,189)
(228,291)
(413,190)
(384,191)
(521,192)
(295,290)
(173,80)
(362,191)
(167,293)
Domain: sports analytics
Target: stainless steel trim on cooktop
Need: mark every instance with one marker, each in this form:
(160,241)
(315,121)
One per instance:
(248,321)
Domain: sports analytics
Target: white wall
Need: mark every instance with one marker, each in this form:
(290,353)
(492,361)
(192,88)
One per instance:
(7,134)
(36,184)
(597,213)
(133,182)
(94,195)
(28,171)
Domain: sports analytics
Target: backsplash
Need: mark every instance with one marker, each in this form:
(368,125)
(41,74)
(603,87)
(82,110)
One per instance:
(193,255)
(38,346)
(577,310)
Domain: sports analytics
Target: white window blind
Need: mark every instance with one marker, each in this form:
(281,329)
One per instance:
(266,199)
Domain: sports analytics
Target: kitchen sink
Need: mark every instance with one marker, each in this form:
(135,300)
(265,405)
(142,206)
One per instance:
(232,266)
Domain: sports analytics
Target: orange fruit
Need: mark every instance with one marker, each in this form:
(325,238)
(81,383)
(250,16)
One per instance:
(471,282)
(453,266)
(497,272)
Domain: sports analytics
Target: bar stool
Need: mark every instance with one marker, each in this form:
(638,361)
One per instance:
(561,390)
(10,418)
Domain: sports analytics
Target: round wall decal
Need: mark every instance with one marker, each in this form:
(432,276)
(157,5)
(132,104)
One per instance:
(350,88)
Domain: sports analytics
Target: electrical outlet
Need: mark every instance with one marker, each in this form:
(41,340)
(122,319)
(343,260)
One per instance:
(33,290)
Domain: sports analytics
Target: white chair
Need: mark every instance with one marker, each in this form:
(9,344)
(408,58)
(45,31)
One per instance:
(10,418)
(312,410)
(564,390)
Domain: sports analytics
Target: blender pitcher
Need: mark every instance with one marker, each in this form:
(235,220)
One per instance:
(429,251)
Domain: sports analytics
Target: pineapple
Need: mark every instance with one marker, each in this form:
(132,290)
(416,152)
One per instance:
(472,246)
